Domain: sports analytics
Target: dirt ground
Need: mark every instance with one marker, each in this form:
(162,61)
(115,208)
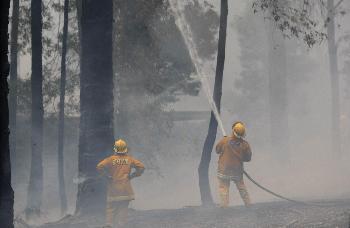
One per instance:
(277,214)
(260,215)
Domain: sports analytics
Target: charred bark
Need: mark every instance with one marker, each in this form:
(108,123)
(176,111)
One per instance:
(78,5)
(334,77)
(6,192)
(13,77)
(35,187)
(61,182)
(203,169)
(96,103)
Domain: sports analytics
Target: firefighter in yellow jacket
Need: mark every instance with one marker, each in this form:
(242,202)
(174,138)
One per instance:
(118,169)
(233,151)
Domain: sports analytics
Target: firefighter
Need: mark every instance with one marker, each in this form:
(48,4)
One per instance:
(118,169)
(233,151)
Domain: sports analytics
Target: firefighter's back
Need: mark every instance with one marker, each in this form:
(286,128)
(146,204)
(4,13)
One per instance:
(121,166)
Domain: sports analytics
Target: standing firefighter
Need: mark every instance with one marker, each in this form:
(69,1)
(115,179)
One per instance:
(117,168)
(233,151)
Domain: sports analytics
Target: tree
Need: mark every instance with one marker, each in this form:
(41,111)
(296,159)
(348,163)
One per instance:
(35,187)
(250,98)
(278,97)
(96,103)
(61,185)
(6,192)
(51,53)
(203,169)
(334,76)
(297,19)
(204,23)
(299,22)
(13,75)
(152,68)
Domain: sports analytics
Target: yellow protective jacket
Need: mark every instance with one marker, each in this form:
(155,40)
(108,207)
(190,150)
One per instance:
(233,152)
(118,168)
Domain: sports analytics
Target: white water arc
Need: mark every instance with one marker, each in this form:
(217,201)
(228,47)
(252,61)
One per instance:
(188,38)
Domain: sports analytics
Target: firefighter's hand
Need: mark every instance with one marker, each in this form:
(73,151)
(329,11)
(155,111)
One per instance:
(132,175)
(108,178)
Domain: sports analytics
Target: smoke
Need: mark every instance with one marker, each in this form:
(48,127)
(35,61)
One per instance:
(313,172)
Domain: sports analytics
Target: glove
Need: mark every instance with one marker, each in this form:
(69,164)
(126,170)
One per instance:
(132,175)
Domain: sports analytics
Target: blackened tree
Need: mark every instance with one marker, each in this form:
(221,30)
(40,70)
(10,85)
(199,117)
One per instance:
(96,102)
(35,187)
(6,192)
(61,185)
(203,169)
(13,75)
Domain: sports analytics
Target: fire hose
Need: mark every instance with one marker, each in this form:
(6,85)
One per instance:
(285,198)
(180,22)
(271,192)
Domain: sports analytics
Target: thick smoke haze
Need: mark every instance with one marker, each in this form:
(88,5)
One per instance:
(312,170)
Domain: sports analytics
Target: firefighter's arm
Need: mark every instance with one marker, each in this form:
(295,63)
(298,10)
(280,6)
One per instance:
(102,168)
(247,154)
(139,168)
(218,147)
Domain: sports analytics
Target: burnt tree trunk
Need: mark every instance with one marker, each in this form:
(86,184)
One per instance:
(35,187)
(96,103)
(334,77)
(6,192)
(78,5)
(13,77)
(61,183)
(203,169)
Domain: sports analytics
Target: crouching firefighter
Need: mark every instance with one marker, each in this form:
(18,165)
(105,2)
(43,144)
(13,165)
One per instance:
(233,151)
(118,169)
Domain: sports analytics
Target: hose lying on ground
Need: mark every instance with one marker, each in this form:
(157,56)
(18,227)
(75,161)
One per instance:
(283,197)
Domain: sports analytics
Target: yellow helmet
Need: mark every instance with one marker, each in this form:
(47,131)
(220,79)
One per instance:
(238,129)
(120,146)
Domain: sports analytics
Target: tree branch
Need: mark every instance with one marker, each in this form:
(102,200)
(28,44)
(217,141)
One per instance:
(337,5)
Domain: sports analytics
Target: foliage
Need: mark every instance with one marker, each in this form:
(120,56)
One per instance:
(251,99)
(295,18)
(204,22)
(52,37)
(153,67)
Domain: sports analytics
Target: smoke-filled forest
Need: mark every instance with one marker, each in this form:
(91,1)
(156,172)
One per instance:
(174,113)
